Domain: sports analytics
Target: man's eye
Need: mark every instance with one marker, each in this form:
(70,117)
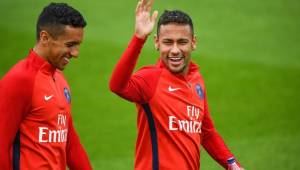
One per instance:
(69,45)
(168,42)
(182,42)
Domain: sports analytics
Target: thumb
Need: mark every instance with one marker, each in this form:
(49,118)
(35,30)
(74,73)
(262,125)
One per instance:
(154,16)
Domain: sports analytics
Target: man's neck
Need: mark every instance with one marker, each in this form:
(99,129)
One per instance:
(185,71)
(39,51)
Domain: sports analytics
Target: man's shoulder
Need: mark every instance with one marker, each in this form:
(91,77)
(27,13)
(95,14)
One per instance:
(151,70)
(21,73)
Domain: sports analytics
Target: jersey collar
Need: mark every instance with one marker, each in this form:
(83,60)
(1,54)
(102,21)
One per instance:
(41,63)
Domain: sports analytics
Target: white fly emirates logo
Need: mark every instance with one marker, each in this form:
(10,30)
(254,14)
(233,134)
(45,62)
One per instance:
(193,125)
(58,135)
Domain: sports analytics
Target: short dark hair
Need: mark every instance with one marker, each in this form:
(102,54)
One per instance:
(175,16)
(56,16)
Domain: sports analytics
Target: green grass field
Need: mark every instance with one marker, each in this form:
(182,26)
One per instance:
(249,53)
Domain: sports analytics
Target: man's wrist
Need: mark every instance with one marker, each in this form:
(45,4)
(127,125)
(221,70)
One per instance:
(231,160)
(232,164)
(139,36)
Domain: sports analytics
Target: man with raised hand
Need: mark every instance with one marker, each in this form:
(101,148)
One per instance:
(173,117)
(36,127)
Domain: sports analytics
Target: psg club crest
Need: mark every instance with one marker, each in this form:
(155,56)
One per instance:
(67,95)
(199,91)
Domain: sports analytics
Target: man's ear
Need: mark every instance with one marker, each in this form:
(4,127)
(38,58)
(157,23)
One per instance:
(44,38)
(194,42)
(156,42)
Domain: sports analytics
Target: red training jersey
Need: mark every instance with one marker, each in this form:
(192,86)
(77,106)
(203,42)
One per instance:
(36,129)
(173,117)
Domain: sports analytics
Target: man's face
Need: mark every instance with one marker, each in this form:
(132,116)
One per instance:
(65,46)
(175,43)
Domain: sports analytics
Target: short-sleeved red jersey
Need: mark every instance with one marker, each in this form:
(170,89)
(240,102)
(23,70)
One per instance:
(36,127)
(173,117)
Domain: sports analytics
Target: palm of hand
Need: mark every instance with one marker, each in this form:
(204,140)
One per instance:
(144,22)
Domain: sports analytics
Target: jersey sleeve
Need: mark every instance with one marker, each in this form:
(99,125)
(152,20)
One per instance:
(138,87)
(15,102)
(212,141)
(77,158)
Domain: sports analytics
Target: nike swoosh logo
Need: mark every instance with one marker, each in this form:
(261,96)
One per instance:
(48,97)
(172,89)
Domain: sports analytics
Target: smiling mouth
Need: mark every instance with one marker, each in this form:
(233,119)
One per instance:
(178,60)
(66,60)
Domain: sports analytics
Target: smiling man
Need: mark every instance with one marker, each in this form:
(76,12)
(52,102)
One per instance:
(173,117)
(36,127)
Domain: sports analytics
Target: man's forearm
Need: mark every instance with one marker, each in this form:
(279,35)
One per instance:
(124,68)
(217,149)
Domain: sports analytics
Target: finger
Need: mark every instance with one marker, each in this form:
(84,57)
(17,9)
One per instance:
(143,4)
(138,7)
(149,5)
(154,16)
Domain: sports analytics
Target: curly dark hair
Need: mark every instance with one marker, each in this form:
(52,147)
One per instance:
(56,16)
(175,16)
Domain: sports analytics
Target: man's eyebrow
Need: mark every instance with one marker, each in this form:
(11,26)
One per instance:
(73,42)
(167,39)
(183,39)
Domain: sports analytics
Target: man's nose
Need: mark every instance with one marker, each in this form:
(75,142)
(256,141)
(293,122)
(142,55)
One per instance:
(74,52)
(175,50)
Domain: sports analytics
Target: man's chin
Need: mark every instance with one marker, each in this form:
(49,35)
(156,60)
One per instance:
(176,70)
(61,68)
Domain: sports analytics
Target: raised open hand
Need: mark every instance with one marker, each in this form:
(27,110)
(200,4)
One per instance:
(144,22)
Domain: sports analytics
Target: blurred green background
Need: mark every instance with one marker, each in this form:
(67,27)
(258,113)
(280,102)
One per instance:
(249,53)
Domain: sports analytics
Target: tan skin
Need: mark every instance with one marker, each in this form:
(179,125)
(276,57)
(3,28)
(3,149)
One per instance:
(174,42)
(59,50)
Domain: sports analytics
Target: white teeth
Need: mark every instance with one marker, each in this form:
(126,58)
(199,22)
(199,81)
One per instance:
(67,59)
(175,58)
